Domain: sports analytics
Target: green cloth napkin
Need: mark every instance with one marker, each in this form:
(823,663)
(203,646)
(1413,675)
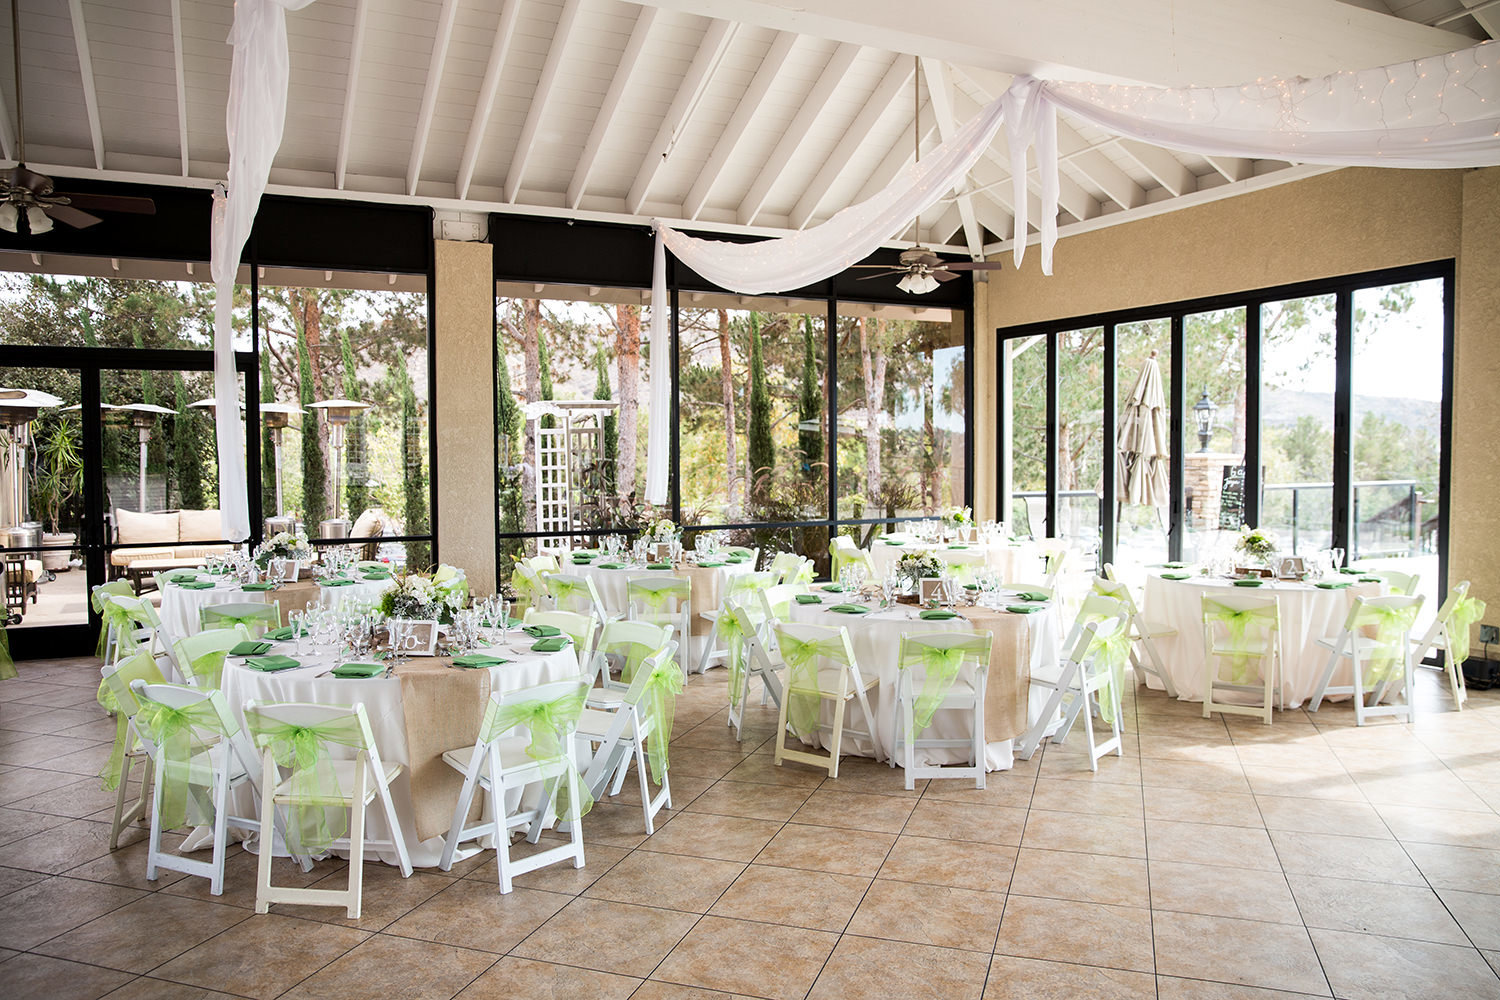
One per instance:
(198,585)
(937,614)
(1350,571)
(258,586)
(1174,565)
(1175,576)
(375,574)
(1333,584)
(807,599)
(1248,583)
(1023,609)
(250,647)
(282,634)
(361,670)
(611,565)
(658,565)
(850,609)
(711,563)
(834,588)
(542,631)
(739,559)
(892,541)
(958,545)
(271,663)
(1370,579)
(338,582)
(1032,595)
(475,660)
(971,586)
(182,576)
(550,644)
(583,557)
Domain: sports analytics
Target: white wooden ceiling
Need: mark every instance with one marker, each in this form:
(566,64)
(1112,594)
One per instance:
(752,115)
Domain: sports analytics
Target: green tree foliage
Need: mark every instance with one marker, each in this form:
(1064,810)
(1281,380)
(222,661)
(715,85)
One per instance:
(508,419)
(187,449)
(267,441)
(809,407)
(314,475)
(610,430)
(762,450)
(356,462)
(418,554)
(545,359)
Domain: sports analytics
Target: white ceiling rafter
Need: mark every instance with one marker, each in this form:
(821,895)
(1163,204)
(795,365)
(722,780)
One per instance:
(1169,171)
(940,88)
(1232,168)
(86,77)
(351,92)
(435,64)
(544,93)
(179,74)
(627,71)
(494,70)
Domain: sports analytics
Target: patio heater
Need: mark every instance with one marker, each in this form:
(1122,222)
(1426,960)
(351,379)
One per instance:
(277,417)
(1203,414)
(142,418)
(338,412)
(18,408)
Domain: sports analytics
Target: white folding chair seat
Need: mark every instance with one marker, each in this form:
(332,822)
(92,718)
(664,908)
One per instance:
(617,739)
(1449,635)
(964,692)
(1085,682)
(835,676)
(1369,655)
(1259,623)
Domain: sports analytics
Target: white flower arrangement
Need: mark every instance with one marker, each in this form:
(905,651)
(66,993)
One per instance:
(663,529)
(915,566)
(416,595)
(958,517)
(1255,542)
(283,545)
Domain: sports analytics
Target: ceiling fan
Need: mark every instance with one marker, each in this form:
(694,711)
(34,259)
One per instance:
(920,268)
(32,197)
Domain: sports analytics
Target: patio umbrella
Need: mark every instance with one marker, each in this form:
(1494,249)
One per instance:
(1141,451)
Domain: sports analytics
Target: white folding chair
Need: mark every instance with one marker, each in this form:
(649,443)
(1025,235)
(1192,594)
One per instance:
(1449,635)
(820,666)
(940,672)
(577,594)
(1376,642)
(1401,584)
(200,658)
(311,791)
(757,663)
(1240,630)
(664,600)
(788,567)
(843,552)
(631,733)
(129,749)
(622,647)
(1143,632)
(743,590)
(501,762)
(529,587)
(258,617)
(1086,676)
(579,628)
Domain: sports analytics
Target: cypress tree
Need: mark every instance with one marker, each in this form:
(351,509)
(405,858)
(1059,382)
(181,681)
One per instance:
(762,448)
(611,430)
(507,413)
(267,446)
(314,476)
(356,490)
(187,443)
(809,407)
(418,554)
(544,362)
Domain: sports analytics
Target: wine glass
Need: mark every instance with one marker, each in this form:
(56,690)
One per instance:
(1336,557)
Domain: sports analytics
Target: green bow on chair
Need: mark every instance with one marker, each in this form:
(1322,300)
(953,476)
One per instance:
(230,621)
(1464,614)
(802,665)
(566,590)
(632,655)
(314,785)
(1237,623)
(1112,652)
(549,722)
(120,617)
(183,768)
(656,596)
(942,667)
(7,664)
(525,587)
(734,642)
(1391,626)
(660,702)
(207,670)
(140,666)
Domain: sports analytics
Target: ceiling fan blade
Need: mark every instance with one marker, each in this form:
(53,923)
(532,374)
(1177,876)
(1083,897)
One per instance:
(887,266)
(943,275)
(930,259)
(978,265)
(885,274)
(112,203)
(72,216)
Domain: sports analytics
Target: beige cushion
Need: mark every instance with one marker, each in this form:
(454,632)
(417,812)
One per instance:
(186,551)
(136,528)
(125,557)
(199,526)
(371,521)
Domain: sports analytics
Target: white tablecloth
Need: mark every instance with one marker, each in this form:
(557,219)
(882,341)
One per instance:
(180,608)
(1016,562)
(1308,613)
(876,638)
(382,700)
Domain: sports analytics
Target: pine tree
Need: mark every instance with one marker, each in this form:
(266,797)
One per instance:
(544,361)
(356,490)
(809,408)
(611,428)
(267,443)
(418,554)
(314,474)
(187,444)
(507,414)
(762,448)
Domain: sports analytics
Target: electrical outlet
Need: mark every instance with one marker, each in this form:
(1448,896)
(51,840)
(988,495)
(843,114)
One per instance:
(1489,633)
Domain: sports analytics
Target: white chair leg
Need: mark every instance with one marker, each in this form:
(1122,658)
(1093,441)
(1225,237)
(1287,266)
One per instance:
(383,790)
(836,741)
(1326,679)
(460,813)
(221,833)
(640,766)
(357,838)
(267,812)
(153,843)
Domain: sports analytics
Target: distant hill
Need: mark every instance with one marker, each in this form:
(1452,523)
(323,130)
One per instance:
(1281,407)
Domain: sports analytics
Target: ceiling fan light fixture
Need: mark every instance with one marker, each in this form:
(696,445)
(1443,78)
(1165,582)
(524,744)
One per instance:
(39,221)
(917,283)
(8,216)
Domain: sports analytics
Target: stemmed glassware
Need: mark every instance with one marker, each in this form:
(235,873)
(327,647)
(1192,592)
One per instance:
(1336,557)
(889,586)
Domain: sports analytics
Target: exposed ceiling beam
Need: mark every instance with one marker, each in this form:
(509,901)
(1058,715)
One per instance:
(493,70)
(435,64)
(180,76)
(1163,42)
(793,135)
(729,140)
(940,87)
(897,157)
(86,77)
(993,216)
(1170,172)
(885,95)
(7,132)
(1232,168)
(947,225)
(711,50)
(540,98)
(351,91)
(630,62)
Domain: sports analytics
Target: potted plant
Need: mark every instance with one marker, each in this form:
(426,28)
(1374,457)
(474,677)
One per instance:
(59,478)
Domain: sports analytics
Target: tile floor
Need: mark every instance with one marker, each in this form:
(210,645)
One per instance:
(1216,859)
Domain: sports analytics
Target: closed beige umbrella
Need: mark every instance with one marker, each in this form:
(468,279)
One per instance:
(1141,446)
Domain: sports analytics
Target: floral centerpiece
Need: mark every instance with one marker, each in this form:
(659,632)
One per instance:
(283,545)
(915,566)
(663,529)
(423,597)
(958,517)
(1256,543)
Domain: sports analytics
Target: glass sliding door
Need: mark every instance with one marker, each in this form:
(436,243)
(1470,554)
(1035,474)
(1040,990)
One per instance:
(1142,445)
(1080,447)
(1298,379)
(1213,430)
(1026,513)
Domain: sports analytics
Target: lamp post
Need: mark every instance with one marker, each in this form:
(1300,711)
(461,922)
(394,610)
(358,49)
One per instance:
(1203,413)
(338,411)
(277,417)
(18,408)
(142,418)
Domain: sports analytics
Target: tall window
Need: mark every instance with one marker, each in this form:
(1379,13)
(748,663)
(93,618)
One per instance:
(1296,421)
(1214,398)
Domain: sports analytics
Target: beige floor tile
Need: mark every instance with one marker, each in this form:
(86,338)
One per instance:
(514,978)
(677,882)
(12,879)
(18,823)
(1409,911)
(1467,868)
(929,914)
(65,846)
(617,825)
(1093,798)
(1247,952)
(1113,770)
(702,763)
(1454,827)
(1311,815)
(1192,774)
(1322,784)
(387,966)
(271,954)
(737,956)
(830,806)
(126,866)
(1367,966)
(793,897)
(1088,878)
(1477,913)
(51,907)
(869,969)
(240,876)
(1344,857)
(762,768)
(1014,978)
(986,867)
(653,990)
(1217,891)
(1062,831)
(707,835)
(821,848)
(639,937)
(384,896)
(859,774)
(1207,844)
(710,737)
(1005,788)
(150,988)
(473,914)
(37,977)
(115,942)
(1058,930)
(560,877)
(1431,790)
(1174,988)
(751,800)
(24,782)
(948,820)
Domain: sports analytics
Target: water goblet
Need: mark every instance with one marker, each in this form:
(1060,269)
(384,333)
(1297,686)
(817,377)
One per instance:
(1336,556)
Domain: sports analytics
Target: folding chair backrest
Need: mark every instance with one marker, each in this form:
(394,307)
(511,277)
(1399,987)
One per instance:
(1054,558)
(201,657)
(1096,609)
(1259,613)
(578,627)
(1109,587)
(787,566)
(305,714)
(1373,620)
(975,647)
(1402,584)
(631,643)
(251,615)
(653,594)
(119,588)
(542,564)
(832,643)
(1089,635)
(1459,591)
(500,717)
(119,675)
(574,593)
(216,721)
(642,678)
(777,600)
(527,584)
(745,586)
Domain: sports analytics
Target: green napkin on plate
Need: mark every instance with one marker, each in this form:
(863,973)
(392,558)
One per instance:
(271,663)
(250,647)
(834,588)
(1176,576)
(710,564)
(282,634)
(850,609)
(658,565)
(937,614)
(258,586)
(375,574)
(807,599)
(958,545)
(360,670)
(1254,582)
(550,644)
(182,576)
(971,586)
(198,585)
(1174,565)
(1023,609)
(476,660)
(611,565)
(892,541)
(1370,579)
(739,559)
(1351,571)
(584,557)
(1333,584)
(338,582)
(1032,595)
(542,631)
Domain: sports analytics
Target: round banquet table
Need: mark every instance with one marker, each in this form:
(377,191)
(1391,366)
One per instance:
(876,638)
(1307,612)
(384,701)
(709,584)
(1016,562)
(180,608)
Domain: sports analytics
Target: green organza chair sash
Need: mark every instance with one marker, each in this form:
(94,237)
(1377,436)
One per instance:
(1391,627)
(207,669)
(7,664)
(316,816)
(183,764)
(549,723)
(139,667)
(631,654)
(99,601)
(805,703)
(122,618)
(225,620)
(657,703)
(940,667)
(564,591)
(525,585)
(734,644)
(655,594)
(1111,652)
(1238,623)
(1464,614)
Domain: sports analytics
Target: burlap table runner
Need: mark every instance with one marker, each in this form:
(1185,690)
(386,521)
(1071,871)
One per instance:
(443,709)
(705,580)
(1009,681)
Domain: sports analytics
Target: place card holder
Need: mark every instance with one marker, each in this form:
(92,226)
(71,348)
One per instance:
(930,588)
(1291,568)
(661,551)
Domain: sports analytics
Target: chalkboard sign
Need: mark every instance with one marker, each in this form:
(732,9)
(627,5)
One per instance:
(1232,498)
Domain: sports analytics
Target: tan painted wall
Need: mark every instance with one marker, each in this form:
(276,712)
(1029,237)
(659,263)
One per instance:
(464,407)
(1338,223)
